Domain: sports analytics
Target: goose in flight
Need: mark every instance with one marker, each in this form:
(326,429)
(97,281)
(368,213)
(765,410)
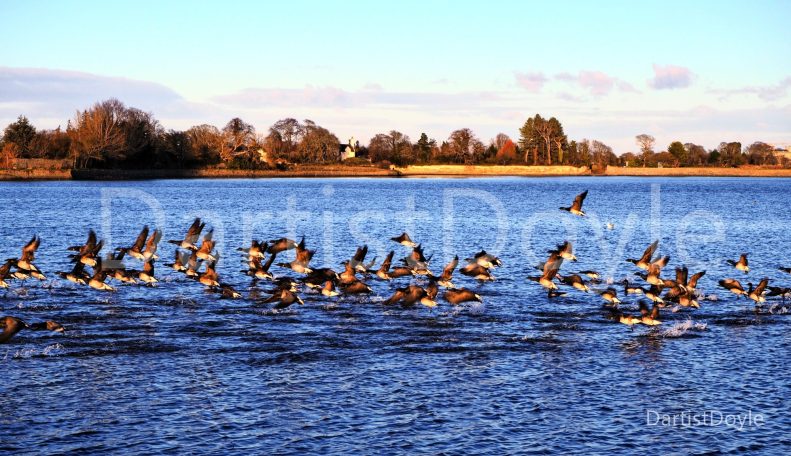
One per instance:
(193,233)
(12,325)
(733,286)
(645,261)
(25,262)
(99,276)
(404,240)
(487,260)
(444,279)
(576,206)
(457,296)
(281,245)
(136,249)
(88,252)
(384,270)
(757,294)
(742,264)
(649,318)
(550,270)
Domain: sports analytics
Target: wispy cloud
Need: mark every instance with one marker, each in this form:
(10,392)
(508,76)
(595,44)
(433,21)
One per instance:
(670,77)
(596,83)
(532,82)
(767,93)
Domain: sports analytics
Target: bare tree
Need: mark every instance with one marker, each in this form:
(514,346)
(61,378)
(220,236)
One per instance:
(646,143)
(465,146)
(97,133)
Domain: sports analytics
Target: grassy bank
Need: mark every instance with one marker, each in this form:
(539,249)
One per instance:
(373,171)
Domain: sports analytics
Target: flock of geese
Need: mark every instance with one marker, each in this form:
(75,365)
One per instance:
(198,262)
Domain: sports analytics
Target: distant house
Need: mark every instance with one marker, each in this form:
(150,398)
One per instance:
(348,150)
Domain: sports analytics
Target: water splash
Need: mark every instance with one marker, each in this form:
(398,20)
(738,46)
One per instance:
(681,328)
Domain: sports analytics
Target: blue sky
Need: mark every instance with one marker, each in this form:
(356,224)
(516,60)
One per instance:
(700,72)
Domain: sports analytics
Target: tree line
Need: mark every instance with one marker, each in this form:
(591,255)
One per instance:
(112,135)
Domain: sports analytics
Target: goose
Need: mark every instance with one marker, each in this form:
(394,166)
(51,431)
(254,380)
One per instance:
(576,206)
(281,245)
(193,265)
(733,286)
(611,296)
(227,291)
(477,272)
(742,264)
(12,325)
(99,275)
(87,253)
(404,240)
(204,252)
(114,264)
(401,271)
(147,274)
(757,294)
(358,259)
(444,279)
(487,260)
(644,261)
(652,276)
(210,277)
(786,270)
(152,244)
(626,319)
(575,281)
(179,264)
(649,318)
(284,298)
(188,243)
(136,249)
(329,289)
(627,290)
(457,296)
(654,293)
(318,278)
(348,275)
(384,270)
(783,292)
(28,255)
(593,275)
(555,294)
(76,275)
(550,270)
(259,270)
(369,266)
(356,287)
(256,250)
(566,251)
(417,260)
(409,296)
(5,273)
(303,257)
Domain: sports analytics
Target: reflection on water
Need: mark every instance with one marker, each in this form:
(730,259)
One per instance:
(174,368)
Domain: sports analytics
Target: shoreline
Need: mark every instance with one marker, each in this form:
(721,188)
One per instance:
(417,171)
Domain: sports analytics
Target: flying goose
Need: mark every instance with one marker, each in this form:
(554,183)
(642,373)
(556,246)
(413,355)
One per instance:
(757,294)
(477,272)
(318,278)
(284,297)
(649,318)
(384,270)
(87,253)
(210,277)
(193,233)
(404,240)
(626,319)
(627,289)
(152,244)
(256,250)
(259,270)
(356,287)
(457,296)
(329,289)
(445,278)
(576,206)
(28,255)
(147,274)
(611,296)
(12,325)
(742,264)
(179,264)
(281,245)
(5,272)
(644,261)
(550,270)
(487,260)
(193,265)
(411,295)
(206,248)
(358,259)
(733,286)
(566,251)
(575,281)
(302,260)
(786,270)
(136,249)
(76,275)
(348,275)
(99,275)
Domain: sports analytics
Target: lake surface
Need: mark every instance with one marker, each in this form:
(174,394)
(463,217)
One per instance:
(174,369)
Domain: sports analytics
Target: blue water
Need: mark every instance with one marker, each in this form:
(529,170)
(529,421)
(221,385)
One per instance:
(175,369)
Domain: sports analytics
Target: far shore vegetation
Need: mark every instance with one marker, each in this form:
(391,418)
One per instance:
(112,136)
